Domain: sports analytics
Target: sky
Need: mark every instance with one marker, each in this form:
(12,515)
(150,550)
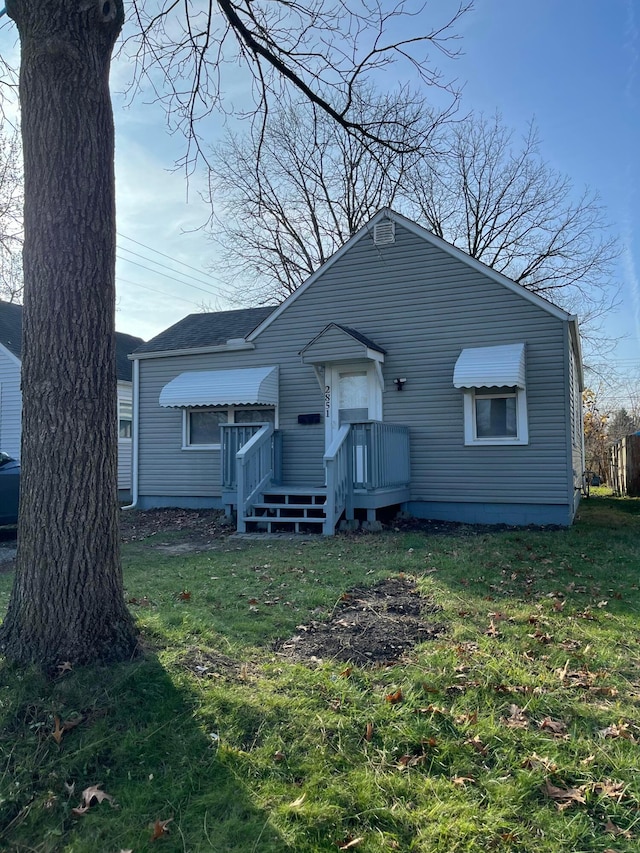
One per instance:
(573,66)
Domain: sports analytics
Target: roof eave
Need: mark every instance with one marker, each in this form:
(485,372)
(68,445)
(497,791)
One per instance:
(236,347)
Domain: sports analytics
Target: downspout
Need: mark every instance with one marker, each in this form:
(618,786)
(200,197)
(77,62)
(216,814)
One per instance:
(134,439)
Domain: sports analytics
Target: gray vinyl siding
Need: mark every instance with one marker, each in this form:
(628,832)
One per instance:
(10,405)
(422,306)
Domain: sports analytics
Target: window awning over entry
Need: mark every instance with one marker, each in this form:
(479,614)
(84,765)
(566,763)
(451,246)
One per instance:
(488,367)
(253,385)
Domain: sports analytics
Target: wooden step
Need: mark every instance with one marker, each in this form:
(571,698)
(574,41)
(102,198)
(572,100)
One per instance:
(288,510)
(263,524)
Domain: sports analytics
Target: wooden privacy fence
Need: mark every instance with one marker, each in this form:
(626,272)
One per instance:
(624,466)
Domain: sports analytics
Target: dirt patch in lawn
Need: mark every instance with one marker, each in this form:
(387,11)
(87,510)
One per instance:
(372,625)
(176,531)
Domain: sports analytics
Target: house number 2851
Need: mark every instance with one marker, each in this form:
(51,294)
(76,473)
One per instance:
(327,401)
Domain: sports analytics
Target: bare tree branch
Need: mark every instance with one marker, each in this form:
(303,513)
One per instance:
(280,215)
(324,50)
(502,203)
(11,218)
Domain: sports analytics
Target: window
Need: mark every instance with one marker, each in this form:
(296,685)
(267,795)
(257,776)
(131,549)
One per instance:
(125,415)
(201,427)
(495,416)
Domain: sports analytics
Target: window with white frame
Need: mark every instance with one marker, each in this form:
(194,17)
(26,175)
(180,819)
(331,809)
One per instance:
(201,427)
(495,416)
(125,415)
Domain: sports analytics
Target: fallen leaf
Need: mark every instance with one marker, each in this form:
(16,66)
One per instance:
(185,595)
(537,762)
(394,698)
(297,803)
(95,793)
(614,790)
(563,795)
(467,718)
(616,731)
(477,744)
(66,666)
(349,845)
(80,810)
(492,631)
(58,731)
(368,732)
(517,718)
(615,830)
(556,727)
(279,756)
(160,828)
(461,781)
(346,672)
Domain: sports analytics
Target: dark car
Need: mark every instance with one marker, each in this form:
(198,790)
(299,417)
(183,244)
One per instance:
(9,489)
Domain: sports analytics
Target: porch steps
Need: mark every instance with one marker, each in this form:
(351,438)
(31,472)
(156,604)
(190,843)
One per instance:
(289,510)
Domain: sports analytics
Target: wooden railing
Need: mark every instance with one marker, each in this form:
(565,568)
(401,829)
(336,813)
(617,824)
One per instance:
(337,463)
(380,455)
(254,464)
(232,438)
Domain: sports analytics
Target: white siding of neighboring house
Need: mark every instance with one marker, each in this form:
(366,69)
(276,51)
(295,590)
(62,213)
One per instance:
(124,444)
(11,414)
(10,403)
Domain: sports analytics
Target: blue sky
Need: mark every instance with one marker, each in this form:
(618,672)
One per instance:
(572,65)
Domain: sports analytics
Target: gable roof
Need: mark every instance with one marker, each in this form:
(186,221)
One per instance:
(397,218)
(197,331)
(324,346)
(11,338)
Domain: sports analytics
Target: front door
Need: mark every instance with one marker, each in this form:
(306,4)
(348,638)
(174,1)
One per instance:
(352,394)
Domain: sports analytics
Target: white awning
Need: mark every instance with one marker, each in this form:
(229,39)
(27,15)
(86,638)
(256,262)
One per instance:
(488,367)
(254,385)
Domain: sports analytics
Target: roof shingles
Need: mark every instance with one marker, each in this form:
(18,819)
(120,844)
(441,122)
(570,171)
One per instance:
(207,330)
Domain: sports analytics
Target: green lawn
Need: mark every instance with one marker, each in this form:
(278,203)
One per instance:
(517,730)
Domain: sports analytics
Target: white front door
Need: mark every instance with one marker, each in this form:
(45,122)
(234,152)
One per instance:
(352,394)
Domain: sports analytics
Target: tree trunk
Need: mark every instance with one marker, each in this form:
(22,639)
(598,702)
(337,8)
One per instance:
(67,602)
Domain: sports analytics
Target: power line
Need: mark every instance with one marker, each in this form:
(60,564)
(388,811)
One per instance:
(161,292)
(162,266)
(157,252)
(172,278)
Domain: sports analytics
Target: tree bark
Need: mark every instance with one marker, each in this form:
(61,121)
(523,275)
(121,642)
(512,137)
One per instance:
(67,603)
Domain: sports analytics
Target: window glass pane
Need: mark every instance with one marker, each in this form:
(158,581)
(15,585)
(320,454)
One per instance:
(124,428)
(353,397)
(496,417)
(254,416)
(204,427)
(353,390)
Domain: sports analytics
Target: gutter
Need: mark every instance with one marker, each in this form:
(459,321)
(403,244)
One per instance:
(135,431)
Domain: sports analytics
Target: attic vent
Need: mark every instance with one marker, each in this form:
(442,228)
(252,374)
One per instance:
(384,232)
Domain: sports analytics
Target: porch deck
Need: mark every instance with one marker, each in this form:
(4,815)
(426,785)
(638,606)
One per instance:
(366,467)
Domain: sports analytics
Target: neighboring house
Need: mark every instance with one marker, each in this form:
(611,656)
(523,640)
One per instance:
(403,373)
(11,397)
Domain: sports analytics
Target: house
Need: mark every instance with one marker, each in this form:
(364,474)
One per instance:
(11,397)
(402,374)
